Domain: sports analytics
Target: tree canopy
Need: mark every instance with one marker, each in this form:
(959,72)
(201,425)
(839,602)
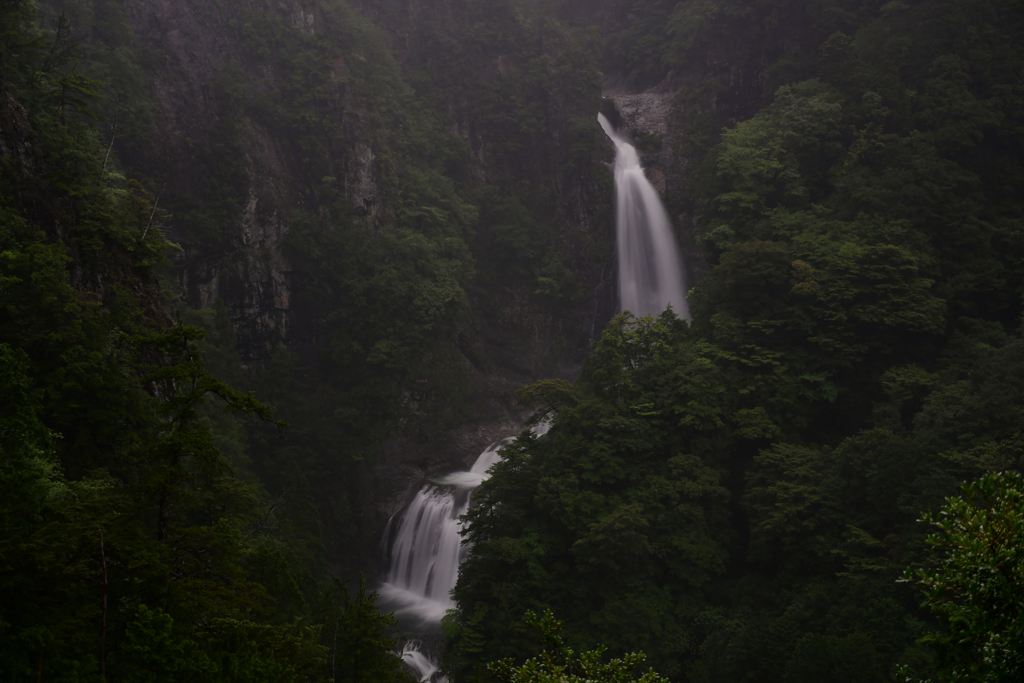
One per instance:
(738,497)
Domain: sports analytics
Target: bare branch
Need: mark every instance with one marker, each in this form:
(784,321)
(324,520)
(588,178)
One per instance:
(103,623)
(113,133)
(153,212)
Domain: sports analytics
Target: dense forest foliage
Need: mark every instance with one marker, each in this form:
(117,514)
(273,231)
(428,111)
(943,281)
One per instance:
(739,497)
(160,523)
(387,298)
(131,548)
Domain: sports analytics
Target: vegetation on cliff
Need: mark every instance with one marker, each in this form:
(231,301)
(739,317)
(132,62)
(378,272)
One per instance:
(372,208)
(131,548)
(739,497)
(157,524)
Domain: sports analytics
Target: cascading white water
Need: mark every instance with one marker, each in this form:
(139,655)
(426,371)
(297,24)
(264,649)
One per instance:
(427,549)
(424,667)
(651,270)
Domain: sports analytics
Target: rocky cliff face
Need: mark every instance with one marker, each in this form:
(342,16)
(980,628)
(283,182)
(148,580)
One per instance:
(16,137)
(259,114)
(198,45)
(252,274)
(264,113)
(202,45)
(245,130)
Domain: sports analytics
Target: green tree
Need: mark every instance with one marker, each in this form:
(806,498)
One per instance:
(623,498)
(792,517)
(363,644)
(28,462)
(978,590)
(153,652)
(559,663)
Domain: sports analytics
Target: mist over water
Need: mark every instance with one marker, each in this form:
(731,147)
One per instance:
(651,271)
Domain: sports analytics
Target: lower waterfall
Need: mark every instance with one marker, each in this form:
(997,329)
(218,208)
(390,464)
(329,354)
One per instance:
(427,546)
(651,271)
(426,552)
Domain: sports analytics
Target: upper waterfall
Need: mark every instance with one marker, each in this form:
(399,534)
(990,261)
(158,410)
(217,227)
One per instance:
(651,270)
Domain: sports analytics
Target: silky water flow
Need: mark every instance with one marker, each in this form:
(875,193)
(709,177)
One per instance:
(651,271)
(426,552)
(427,547)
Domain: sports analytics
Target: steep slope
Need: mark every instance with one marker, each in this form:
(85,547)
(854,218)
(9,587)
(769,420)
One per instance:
(402,208)
(740,497)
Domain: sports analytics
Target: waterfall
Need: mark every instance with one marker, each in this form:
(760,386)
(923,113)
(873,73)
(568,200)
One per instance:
(424,667)
(427,550)
(651,271)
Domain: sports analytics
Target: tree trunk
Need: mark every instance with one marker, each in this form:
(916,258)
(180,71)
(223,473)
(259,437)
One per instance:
(103,621)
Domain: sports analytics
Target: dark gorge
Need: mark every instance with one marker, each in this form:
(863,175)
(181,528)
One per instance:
(395,340)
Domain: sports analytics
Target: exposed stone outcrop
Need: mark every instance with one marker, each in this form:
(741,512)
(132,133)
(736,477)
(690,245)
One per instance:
(248,269)
(16,136)
(203,54)
(647,117)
